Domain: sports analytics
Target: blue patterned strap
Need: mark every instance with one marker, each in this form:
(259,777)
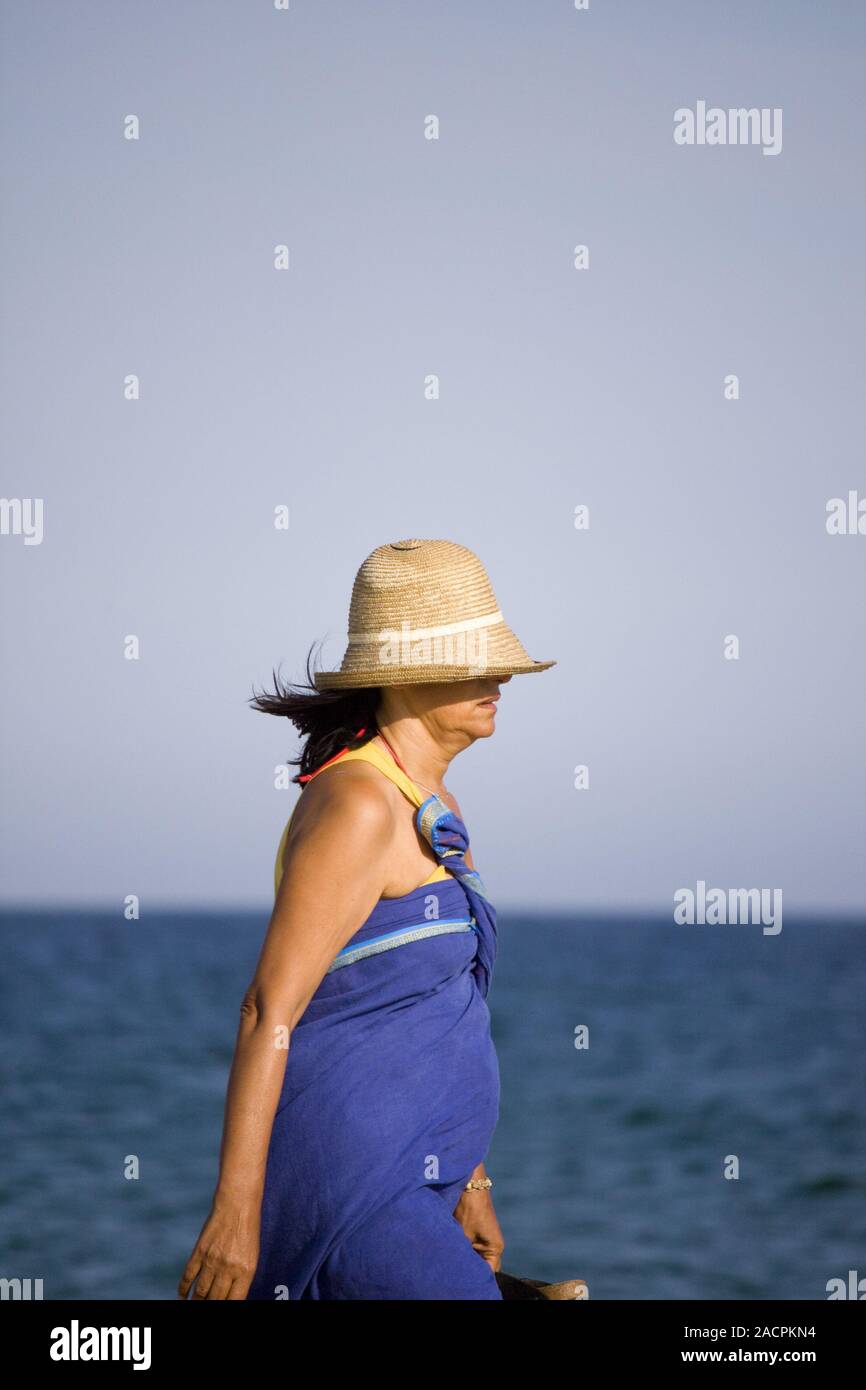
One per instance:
(401,937)
(447,836)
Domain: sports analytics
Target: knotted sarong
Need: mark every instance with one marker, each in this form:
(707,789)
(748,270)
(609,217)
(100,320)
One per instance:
(390,1097)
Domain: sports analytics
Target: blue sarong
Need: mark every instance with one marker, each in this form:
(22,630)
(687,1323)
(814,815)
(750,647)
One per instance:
(389,1102)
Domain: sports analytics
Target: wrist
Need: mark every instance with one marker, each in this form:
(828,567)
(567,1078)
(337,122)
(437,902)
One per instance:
(237,1201)
(479,1181)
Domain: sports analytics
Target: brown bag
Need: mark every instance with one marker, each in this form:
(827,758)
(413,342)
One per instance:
(513,1286)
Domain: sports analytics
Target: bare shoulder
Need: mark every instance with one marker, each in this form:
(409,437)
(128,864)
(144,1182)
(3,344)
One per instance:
(347,798)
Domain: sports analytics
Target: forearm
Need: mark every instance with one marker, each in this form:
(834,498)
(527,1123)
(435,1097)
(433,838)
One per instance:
(255,1082)
(476,1214)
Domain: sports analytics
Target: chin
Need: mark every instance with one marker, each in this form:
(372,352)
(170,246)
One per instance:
(485,726)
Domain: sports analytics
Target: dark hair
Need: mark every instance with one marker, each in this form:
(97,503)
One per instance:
(331,719)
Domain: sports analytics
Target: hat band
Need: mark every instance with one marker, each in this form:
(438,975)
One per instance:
(419,633)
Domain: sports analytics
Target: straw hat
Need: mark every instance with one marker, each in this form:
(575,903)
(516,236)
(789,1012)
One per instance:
(425,611)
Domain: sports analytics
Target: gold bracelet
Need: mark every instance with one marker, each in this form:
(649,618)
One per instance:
(478,1183)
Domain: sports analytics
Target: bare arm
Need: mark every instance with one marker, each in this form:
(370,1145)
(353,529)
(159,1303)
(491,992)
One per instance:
(335,869)
(477,1215)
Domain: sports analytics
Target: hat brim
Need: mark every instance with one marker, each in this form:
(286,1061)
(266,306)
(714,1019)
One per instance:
(421,675)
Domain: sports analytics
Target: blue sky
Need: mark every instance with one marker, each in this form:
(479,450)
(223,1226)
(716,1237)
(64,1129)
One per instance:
(558,387)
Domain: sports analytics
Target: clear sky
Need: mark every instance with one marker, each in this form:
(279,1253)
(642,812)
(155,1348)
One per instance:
(602,387)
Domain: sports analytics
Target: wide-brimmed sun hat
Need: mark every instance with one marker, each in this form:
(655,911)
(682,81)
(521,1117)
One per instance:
(425,611)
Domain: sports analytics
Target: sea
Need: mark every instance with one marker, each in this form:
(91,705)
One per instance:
(682,1110)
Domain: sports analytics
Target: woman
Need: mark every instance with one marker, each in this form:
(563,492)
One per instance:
(364,1090)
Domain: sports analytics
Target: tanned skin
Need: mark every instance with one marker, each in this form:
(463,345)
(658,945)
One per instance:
(352,841)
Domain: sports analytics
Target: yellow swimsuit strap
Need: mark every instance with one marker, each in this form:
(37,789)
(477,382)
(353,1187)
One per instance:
(369,753)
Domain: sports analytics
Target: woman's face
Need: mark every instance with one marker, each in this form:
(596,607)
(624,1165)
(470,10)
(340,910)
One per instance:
(455,712)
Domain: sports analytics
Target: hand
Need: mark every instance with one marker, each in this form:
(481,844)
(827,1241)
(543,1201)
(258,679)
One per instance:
(223,1262)
(476,1215)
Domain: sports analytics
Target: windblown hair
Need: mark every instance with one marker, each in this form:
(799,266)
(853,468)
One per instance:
(330,719)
